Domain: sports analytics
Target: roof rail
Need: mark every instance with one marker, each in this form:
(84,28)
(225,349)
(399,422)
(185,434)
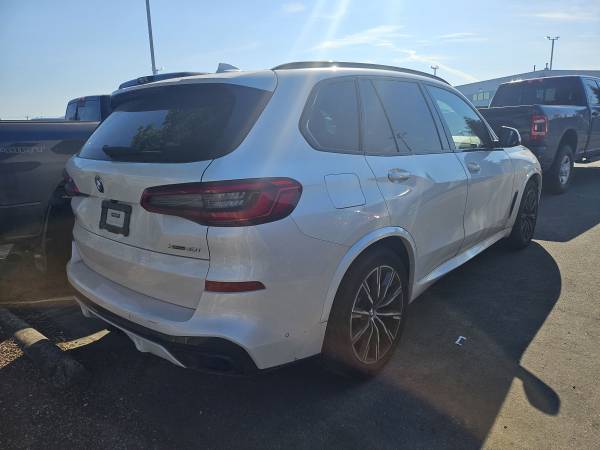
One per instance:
(323,64)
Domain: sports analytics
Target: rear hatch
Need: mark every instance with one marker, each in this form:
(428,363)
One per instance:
(157,135)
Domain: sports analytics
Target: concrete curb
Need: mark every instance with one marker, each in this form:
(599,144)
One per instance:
(59,367)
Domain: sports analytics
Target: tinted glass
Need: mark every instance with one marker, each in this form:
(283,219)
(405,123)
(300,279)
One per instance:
(331,122)
(593,91)
(177,123)
(409,115)
(541,91)
(88,110)
(377,134)
(466,127)
(71,113)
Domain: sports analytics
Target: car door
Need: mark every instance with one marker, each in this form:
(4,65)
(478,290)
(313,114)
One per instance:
(592,88)
(489,168)
(422,181)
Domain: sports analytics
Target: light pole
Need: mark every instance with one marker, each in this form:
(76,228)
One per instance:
(555,38)
(154,71)
(435,68)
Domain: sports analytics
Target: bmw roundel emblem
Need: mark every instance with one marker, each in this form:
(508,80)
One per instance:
(99,184)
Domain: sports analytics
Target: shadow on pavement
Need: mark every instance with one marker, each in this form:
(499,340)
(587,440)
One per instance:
(566,216)
(434,393)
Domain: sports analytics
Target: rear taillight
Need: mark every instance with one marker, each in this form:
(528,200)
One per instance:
(539,126)
(71,189)
(231,203)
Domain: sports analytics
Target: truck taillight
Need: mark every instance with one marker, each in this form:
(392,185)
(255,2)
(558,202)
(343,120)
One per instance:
(231,203)
(539,126)
(71,189)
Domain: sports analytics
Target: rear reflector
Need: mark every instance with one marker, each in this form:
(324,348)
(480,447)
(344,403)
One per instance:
(231,203)
(233,286)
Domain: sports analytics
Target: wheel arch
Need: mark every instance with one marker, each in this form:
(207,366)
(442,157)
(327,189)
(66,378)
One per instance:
(396,238)
(569,137)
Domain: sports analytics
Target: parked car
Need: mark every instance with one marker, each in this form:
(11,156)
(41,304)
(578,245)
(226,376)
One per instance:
(558,118)
(32,159)
(245,220)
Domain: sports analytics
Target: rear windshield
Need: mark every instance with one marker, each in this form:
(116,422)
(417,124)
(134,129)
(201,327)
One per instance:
(544,91)
(176,124)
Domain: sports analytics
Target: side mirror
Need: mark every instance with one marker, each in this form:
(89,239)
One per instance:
(509,137)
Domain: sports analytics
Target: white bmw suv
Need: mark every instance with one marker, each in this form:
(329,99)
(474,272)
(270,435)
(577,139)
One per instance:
(245,220)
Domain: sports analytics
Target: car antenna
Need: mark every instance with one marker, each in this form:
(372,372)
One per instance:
(224,67)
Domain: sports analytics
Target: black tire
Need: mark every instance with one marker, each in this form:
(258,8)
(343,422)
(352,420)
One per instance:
(350,314)
(524,226)
(555,178)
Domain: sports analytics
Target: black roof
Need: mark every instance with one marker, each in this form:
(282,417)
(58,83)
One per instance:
(324,64)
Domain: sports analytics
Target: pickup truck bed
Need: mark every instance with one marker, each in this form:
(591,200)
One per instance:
(32,157)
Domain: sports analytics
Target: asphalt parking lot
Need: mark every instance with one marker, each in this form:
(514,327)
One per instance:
(525,376)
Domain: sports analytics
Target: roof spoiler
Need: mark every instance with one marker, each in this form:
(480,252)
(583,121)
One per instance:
(323,64)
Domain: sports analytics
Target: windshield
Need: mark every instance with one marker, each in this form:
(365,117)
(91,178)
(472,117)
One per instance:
(175,124)
(541,91)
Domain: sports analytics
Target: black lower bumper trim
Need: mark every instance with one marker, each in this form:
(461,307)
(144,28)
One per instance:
(210,354)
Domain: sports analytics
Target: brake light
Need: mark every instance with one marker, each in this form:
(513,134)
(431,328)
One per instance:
(231,203)
(71,189)
(539,126)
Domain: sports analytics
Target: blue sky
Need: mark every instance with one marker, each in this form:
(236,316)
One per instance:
(52,51)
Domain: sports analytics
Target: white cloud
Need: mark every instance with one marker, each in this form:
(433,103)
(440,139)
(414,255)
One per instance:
(412,55)
(380,36)
(294,7)
(567,16)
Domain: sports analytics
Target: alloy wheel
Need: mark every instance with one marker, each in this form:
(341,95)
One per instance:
(376,314)
(529,213)
(565,170)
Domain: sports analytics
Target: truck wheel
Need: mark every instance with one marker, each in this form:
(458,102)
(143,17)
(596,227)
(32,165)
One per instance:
(524,226)
(368,315)
(561,171)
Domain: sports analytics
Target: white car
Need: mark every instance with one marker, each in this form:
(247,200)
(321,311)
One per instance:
(245,220)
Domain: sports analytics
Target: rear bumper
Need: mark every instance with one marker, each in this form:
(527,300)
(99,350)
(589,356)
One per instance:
(200,353)
(543,153)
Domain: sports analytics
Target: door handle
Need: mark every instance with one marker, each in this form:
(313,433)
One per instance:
(595,113)
(398,175)
(473,167)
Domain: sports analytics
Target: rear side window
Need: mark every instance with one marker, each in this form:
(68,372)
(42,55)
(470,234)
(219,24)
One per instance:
(593,91)
(410,117)
(177,124)
(377,135)
(330,121)
(467,129)
(89,111)
(542,91)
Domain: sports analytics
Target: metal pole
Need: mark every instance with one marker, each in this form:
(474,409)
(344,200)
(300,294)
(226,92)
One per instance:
(154,71)
(552,49)
(435,68)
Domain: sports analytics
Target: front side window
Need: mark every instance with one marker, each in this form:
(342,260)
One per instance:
(410,117)
(331,119)
(71,113)
(467,129)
